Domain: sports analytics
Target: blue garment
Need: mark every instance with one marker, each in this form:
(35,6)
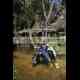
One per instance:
(44,53)
(43,50)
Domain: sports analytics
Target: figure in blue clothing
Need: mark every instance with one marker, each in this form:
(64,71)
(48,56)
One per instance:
(42,51)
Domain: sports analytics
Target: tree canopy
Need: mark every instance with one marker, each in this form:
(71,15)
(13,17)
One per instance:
(26,10)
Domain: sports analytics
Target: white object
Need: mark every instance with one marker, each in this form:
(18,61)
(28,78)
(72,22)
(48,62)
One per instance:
(57,66)
(51,48)
(47,45)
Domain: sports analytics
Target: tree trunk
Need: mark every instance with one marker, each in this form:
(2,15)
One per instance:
(47,18)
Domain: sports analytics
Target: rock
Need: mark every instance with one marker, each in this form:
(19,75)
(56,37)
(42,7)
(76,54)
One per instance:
(57,66)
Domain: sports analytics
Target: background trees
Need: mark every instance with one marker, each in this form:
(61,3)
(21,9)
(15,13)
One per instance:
(26,10)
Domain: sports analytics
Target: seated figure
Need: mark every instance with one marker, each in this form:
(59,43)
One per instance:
(46,53)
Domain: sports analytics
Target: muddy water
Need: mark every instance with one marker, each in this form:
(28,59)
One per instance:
(25,71)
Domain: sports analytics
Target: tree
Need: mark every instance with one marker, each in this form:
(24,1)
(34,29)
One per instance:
(27,9)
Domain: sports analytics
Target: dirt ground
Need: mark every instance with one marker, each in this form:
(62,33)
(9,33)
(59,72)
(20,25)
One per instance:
(25,71)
